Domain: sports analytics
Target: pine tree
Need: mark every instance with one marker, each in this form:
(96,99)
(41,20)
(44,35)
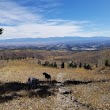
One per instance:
(85,65)
(47,63)
(55,64)
(39,62)
(80,65)
(63,65)
(88,67)
(1,30)
(107,63)
(70,65)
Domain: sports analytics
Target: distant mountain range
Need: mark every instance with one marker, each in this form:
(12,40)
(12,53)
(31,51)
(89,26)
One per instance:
(57,43)
(57,40)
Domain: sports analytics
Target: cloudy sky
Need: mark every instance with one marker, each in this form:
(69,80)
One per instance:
(54,18)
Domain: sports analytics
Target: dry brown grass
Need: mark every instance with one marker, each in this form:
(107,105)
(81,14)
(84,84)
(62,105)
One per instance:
(96,94)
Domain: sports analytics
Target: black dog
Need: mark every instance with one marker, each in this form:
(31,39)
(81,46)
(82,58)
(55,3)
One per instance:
(47,76)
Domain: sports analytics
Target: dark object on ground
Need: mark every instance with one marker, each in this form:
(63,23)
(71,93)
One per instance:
(32,82)
(47,76)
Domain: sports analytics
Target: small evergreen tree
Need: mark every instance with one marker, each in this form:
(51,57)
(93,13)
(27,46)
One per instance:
(1,30)
(51,64)
(80,65)
(55,64)
(107,63)
(39,62)
(75,65)
(85,65)
(46,63)
(88,67)
(70,65)
(96,65)
(63,65)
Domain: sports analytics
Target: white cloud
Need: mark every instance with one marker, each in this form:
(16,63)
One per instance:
(46,30)
(13,14)
(39,30)
(20,22)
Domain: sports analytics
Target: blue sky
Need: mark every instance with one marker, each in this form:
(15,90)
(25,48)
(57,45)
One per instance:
(51,18)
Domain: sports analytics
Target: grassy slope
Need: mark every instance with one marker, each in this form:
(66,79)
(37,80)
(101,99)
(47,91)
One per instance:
(21,70)
(95,94)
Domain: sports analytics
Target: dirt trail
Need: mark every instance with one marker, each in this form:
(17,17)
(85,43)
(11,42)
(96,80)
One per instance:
(66,100)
